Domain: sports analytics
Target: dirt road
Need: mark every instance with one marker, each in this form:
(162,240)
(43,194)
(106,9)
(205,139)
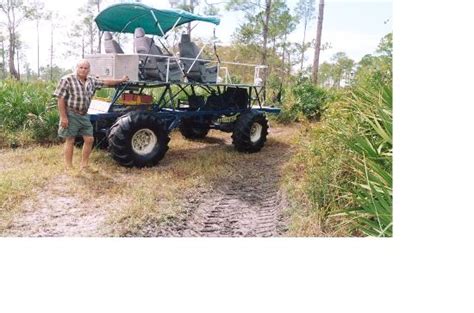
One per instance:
(248,201)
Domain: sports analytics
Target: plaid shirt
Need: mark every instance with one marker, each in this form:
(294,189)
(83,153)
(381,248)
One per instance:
(77,94)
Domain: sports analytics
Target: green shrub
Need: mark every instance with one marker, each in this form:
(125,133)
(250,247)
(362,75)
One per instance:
(44,126)
(28,112)
(326,177)
(304,100)
(310,100)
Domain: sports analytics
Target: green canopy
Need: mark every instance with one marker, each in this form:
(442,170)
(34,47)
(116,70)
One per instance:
(125,17)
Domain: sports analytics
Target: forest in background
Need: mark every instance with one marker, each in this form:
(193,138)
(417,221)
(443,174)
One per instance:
(340,182)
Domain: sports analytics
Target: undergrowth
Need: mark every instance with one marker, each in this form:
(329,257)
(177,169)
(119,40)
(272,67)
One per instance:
(28,113)
(341,178)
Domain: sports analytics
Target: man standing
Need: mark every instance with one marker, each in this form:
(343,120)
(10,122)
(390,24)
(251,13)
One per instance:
(74,93)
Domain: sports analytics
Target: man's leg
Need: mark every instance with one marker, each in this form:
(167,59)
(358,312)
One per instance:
(86,150)
(68,151)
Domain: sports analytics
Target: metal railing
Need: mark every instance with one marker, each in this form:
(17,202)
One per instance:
(258,69)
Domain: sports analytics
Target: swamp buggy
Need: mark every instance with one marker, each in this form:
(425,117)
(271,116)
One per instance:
(166,92)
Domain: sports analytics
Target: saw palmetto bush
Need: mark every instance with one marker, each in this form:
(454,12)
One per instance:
(28,112)
(371,146)
(341,178)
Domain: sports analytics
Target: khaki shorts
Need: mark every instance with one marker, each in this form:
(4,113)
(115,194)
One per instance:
(79,125)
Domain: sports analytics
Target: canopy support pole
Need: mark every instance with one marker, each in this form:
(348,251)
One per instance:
(129,22)
(163,35)
(174,26)
(157,23)
(197,57)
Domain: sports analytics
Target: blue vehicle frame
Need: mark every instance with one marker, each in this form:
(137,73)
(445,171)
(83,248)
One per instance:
(137,135)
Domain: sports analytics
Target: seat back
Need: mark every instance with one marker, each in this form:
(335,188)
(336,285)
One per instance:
(144,44)
(197,71)
(188,49)
(110,45)
(154,67)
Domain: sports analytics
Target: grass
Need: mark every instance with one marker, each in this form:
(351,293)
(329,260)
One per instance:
(157,194)
(142,197)
(314,180)
(340,180)
(23,171)
(373,147)
(28,113)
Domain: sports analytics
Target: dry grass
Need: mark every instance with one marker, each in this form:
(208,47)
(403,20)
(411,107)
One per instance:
(310,180)
(136,198)
(142,196)
(155,193)
(21,171)
(189,166)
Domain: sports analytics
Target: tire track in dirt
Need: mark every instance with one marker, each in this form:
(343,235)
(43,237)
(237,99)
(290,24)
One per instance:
(248,203)
(245,202)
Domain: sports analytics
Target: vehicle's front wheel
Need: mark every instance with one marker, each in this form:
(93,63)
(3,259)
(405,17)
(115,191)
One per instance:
(250,132)
(138,139)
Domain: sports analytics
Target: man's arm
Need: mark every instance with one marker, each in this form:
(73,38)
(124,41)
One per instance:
(113,82)
(63,120)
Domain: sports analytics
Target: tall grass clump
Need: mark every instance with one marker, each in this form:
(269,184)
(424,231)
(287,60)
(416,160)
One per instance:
(371,146)
(319,176)
(28,112)
(343,170)
(340,181)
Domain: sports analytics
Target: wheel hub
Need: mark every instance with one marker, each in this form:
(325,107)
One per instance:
(255,132)
(144,141)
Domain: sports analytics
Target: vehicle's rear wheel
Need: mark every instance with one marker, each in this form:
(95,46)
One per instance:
(138,139)
(192,129)
(250,132)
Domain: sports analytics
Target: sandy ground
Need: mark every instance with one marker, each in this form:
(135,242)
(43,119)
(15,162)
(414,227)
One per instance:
(56,210)
(249,203)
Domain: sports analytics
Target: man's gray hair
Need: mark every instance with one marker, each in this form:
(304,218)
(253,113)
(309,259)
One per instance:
(83,61)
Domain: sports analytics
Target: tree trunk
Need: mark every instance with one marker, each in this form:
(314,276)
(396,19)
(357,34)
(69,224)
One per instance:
(318,42)
(302,46)
(83,47)
(11,56)
(99,46)
(18,62)
(191,9)
(3,58)
(268,8)
(91,31)
(283,51)
(289,63)
(12,41)
(38,47)
(100,42)
(189,24)
(51,56)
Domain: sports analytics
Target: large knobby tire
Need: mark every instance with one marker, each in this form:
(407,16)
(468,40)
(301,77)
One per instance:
(250,132)
(138,139)
(192,130)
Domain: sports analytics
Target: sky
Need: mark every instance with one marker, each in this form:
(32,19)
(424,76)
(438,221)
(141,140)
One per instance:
(354,27)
